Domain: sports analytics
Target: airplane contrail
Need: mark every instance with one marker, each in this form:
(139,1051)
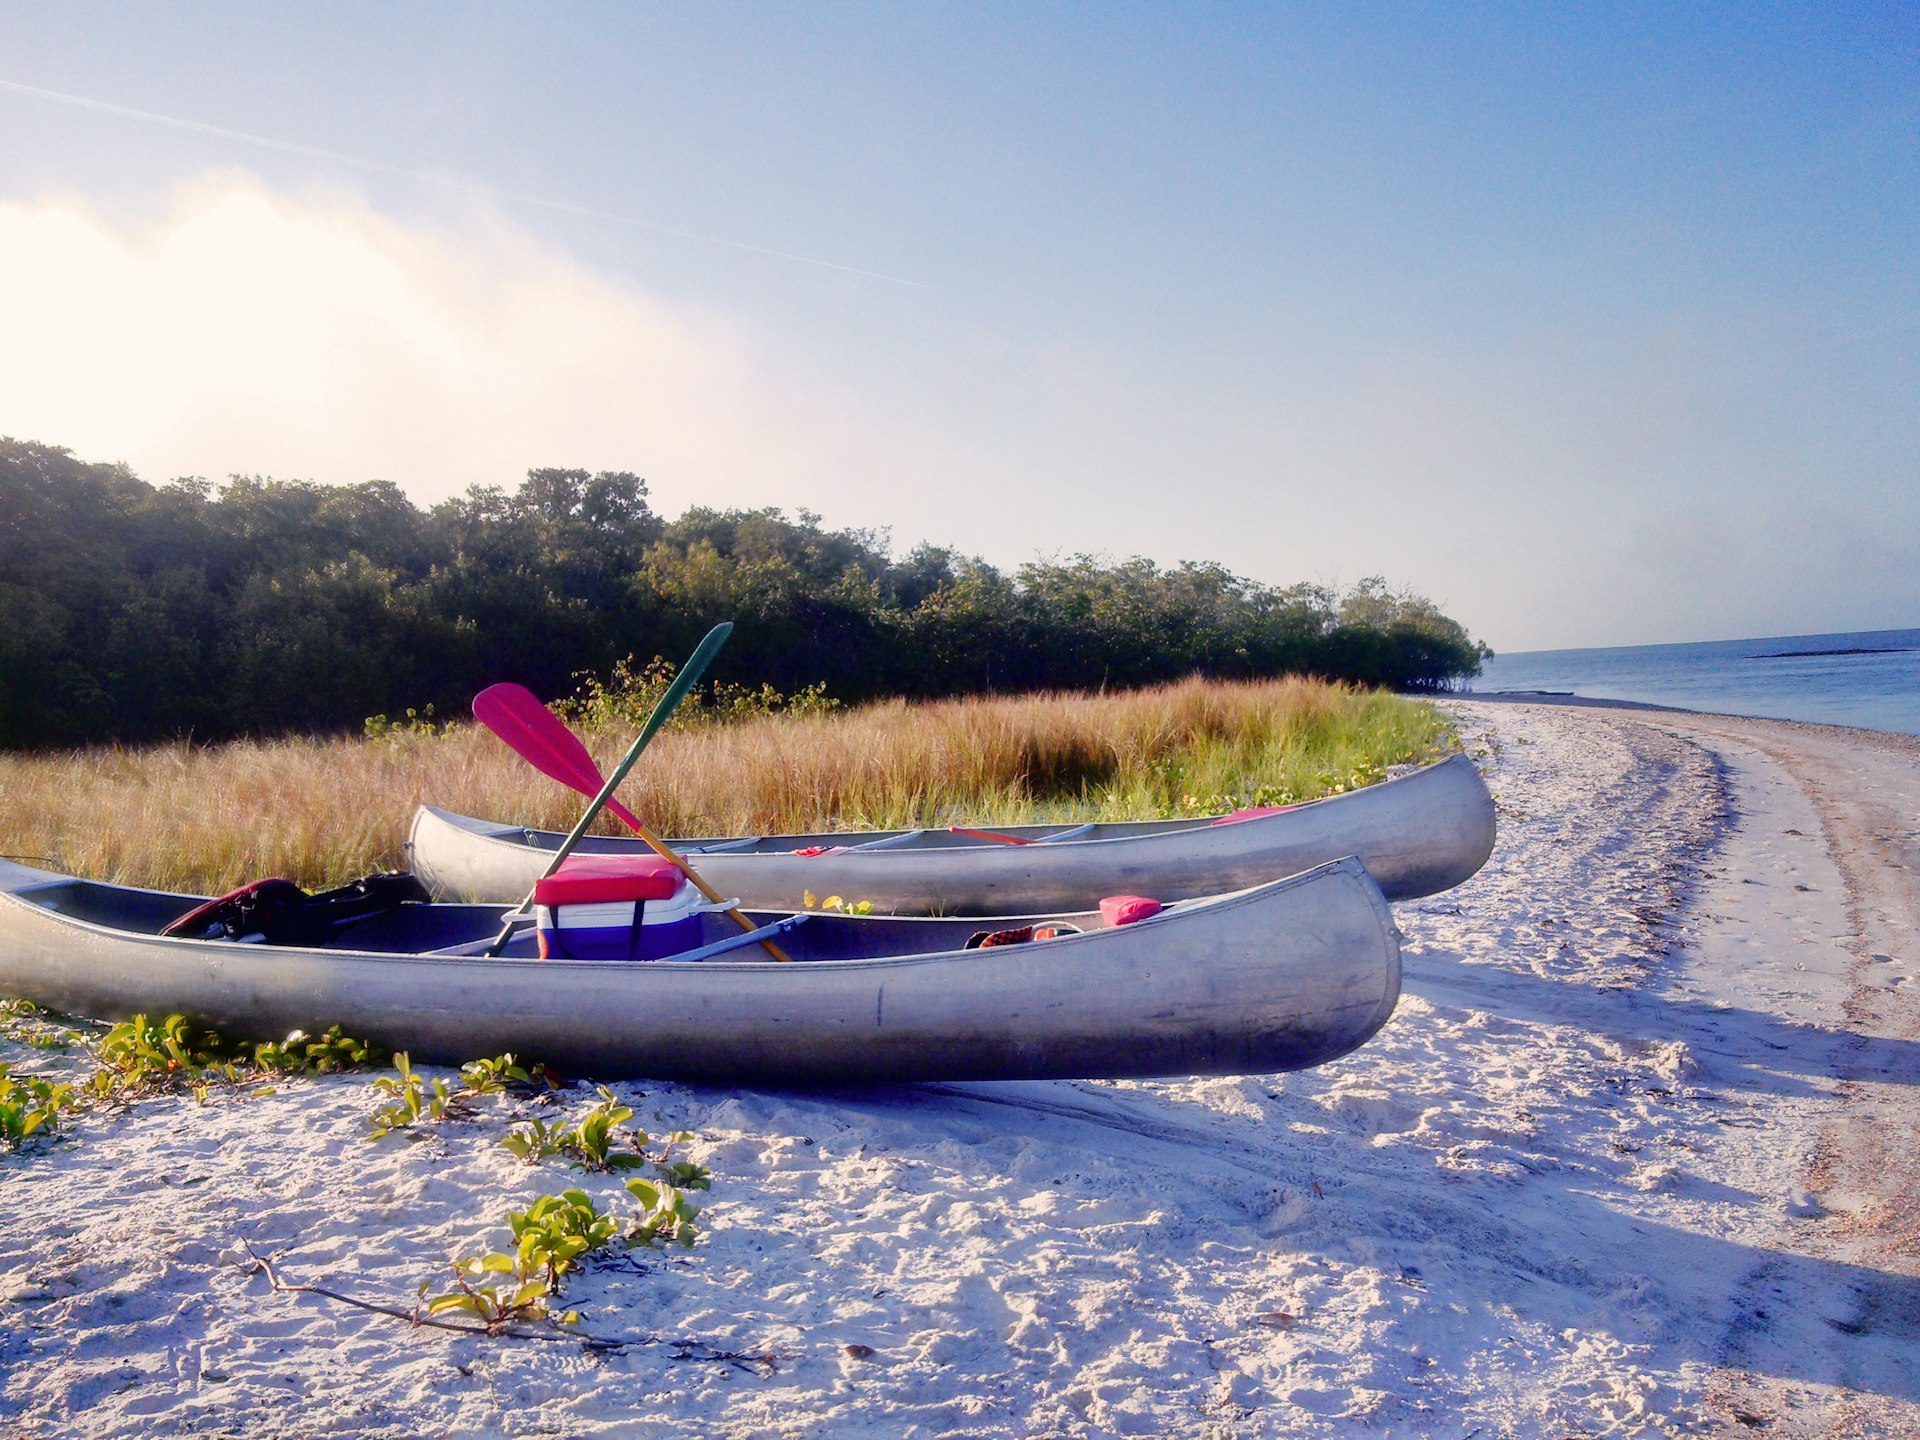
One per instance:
(316,152)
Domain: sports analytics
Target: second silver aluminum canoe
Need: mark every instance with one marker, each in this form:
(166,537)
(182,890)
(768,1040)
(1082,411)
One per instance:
(1286,975)
(1417,835)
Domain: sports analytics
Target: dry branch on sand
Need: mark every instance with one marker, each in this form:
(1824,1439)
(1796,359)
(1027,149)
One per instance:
(682,1348)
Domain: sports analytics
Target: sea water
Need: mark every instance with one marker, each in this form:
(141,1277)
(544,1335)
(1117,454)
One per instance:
(1870,679)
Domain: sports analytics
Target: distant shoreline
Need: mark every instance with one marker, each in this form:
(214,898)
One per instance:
(1895,641)
(1850,650)
(1568,697)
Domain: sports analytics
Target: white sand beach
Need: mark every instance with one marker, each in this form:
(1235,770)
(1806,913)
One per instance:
(1635,1157)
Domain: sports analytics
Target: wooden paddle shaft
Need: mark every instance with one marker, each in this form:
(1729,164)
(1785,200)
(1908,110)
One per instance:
(660,848)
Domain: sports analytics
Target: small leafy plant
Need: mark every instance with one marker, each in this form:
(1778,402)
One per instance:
(411,1096)
(26,1023)
(588,1144)
(502,1074)
(551,1238)
(535,1141)
(591,1141)
(327,1054)
(684,1174)
(29,1106)
(496,1304)
(556,1232)
(666,1214)
(139,1058)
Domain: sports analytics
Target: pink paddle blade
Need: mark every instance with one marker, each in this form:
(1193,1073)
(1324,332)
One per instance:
(535,734)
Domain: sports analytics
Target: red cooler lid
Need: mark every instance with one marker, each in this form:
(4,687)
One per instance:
(594,879)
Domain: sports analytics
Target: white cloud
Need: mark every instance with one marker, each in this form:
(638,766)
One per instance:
(310,337)
(1680,477)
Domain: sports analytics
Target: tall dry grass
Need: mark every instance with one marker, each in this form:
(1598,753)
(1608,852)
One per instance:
(199,819)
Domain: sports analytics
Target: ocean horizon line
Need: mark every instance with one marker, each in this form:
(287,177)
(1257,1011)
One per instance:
(1913,630)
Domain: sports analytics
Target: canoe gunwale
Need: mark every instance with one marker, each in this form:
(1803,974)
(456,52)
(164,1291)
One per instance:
(1093,926)
(1417,834)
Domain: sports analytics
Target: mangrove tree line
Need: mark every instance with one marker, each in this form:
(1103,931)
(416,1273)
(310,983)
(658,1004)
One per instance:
(130,611)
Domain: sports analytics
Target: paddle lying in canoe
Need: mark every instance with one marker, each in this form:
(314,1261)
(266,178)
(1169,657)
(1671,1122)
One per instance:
(1418,835)
(1280,976)
(512,713)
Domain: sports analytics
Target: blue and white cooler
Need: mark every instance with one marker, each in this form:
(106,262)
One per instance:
(615,907)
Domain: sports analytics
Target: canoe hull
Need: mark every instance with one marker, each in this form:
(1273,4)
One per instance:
(1417,835)
(1287,975)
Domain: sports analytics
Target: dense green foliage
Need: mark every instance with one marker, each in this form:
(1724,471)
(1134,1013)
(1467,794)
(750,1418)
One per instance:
(130,612)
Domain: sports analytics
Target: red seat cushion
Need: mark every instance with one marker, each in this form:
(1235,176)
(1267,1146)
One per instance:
(1125,909)
(591,879)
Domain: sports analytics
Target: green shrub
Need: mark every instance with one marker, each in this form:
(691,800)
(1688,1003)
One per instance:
(26,1023)
(330,1053)
(628,696)
(414,725)
(138,1058)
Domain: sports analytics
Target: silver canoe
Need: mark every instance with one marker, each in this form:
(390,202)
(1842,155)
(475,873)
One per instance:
(1289,974)
(1417,835)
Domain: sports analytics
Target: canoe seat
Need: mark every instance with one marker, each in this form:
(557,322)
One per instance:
(992,939)
(1119,910)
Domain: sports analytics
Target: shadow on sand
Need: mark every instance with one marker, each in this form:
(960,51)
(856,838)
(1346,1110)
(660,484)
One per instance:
(1753,1049)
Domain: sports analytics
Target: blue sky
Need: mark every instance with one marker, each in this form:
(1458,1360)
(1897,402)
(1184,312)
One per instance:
(1597,324)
